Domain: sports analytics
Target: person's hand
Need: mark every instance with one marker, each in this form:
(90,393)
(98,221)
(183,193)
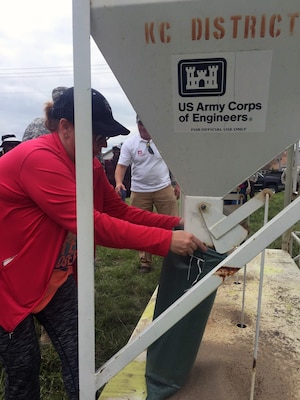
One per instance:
(181,222)
(177,191)
(184,243)
(119,187)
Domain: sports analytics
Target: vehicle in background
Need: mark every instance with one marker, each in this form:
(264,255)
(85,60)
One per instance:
(270,180)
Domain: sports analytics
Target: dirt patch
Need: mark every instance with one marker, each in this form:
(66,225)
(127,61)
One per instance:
(225,366)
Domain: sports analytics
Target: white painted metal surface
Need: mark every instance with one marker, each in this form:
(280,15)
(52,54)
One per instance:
(213,133)
(259,304)
(84,185)
(204,216)
(166,55)
(224,225)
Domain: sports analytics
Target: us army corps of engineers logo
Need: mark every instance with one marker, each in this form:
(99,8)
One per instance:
(221,92)
(202,77)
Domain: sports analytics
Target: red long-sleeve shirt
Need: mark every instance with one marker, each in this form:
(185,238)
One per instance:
(38,209)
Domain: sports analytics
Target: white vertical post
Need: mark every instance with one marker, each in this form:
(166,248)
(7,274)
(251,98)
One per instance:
(288,193)
(259,303)
(296,162)
(84,179)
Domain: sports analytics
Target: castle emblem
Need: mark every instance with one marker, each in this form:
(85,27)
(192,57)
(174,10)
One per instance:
(203,77)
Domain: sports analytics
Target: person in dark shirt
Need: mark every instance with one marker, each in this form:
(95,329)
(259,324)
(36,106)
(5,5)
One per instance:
(110,166)
(9,141)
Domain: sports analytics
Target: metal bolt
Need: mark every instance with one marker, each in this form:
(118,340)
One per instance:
(202,207)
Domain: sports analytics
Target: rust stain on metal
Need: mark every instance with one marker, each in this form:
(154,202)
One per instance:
(224,272)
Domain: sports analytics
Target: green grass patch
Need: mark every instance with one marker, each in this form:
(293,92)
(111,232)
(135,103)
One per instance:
(122,293)
(257,219)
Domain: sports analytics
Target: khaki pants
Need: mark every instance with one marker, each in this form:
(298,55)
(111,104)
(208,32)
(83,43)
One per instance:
(163,200)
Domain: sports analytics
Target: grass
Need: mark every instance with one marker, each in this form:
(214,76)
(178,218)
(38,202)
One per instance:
(257,218)
(121,295)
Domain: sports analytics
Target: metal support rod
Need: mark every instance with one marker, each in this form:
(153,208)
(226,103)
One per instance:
(288,194)
(259,302)
(296,163)
(242,323)
(241,213)
(84,195)
(295,237)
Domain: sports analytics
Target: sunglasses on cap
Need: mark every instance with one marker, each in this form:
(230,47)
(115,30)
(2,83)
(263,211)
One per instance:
(149,148)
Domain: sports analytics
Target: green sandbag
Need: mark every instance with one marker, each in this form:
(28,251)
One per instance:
(171,357)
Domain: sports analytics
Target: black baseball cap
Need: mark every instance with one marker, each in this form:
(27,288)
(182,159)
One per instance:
(103,122)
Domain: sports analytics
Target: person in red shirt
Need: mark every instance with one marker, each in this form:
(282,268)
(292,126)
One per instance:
(38,242)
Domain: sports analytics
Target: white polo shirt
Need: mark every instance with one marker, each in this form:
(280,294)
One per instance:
(149,172)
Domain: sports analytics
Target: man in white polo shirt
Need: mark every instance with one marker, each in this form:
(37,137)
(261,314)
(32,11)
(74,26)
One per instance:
(150,180)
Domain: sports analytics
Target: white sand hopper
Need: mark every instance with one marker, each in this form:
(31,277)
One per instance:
(209,81)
